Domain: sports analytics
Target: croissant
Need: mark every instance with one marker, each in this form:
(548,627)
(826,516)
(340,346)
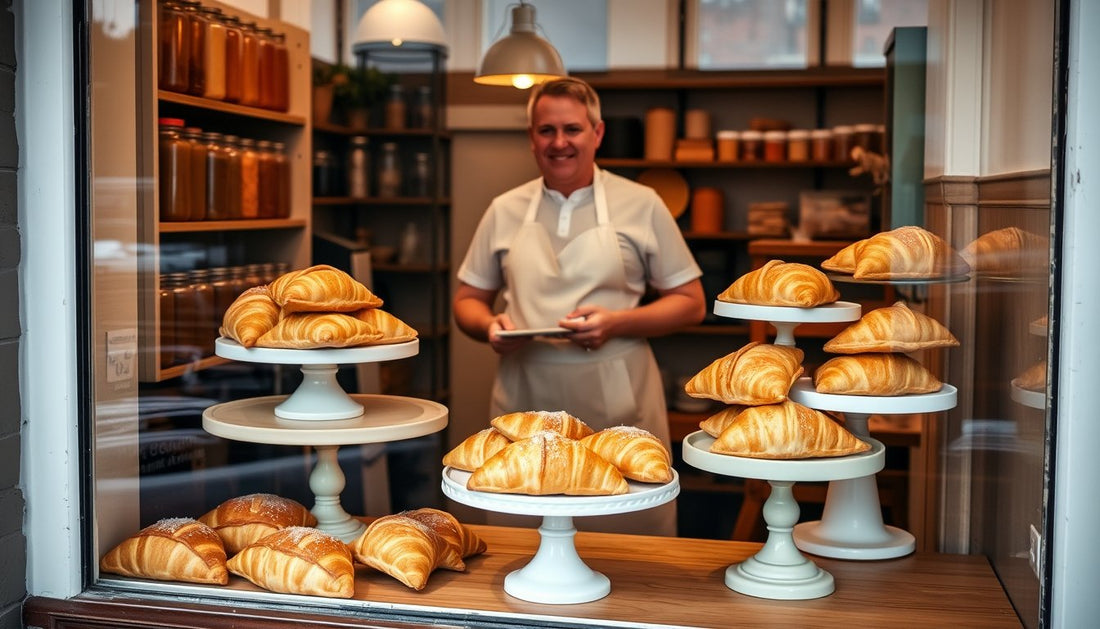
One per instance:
(779,283)
(637,453)
(175,549)
(298,560)
(523,424)
(907,252)
(716,423)
(892,329)
(403,548)
(844,261)
(250,316)
(1034,378)
(310,330)
(548,463)
(476,449)
(393,330)
(758,373)
(874,374)
(460,540)
(321,288)
(245,519)
(786,431)
(1010,250)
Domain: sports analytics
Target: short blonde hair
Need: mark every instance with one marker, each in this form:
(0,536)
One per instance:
(576,89)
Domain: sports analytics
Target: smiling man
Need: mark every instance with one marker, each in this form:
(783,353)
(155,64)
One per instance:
(576,250)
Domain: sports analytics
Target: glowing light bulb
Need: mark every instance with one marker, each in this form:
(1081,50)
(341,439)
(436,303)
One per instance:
(522,81)
(397,41)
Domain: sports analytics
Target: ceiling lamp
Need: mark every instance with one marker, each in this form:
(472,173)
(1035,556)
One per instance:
(522,58)
(399,24)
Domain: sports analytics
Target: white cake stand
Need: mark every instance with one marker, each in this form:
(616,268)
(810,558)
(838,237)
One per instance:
(385,418)
(779,571)
(1027,397)
(851,525)
(319,396)
(787,318)
(556,574)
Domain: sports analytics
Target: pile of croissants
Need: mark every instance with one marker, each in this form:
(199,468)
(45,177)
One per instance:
(270,540)
(320,306)
(544,453)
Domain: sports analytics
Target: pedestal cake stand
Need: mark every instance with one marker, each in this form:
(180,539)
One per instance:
(787,318)
(851,524)
(556,574)
(779,571)
(320,414)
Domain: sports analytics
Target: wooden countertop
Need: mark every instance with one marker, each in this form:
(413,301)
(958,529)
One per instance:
(678,582)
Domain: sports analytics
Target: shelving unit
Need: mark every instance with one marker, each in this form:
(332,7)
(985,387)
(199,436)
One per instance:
(222,243)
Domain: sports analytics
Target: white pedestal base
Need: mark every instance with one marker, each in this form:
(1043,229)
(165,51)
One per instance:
(319,397)
(327,481)
(556,574)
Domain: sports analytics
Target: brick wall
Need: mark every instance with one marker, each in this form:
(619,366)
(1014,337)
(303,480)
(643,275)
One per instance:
(13,547)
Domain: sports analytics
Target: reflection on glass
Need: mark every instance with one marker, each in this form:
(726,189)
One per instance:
(873,22)
(751,34)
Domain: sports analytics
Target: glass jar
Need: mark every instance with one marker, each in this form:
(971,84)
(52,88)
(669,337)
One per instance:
(821,145)
(196,152)
(203,326)
(422,176)
(268,182)
(268,273)
(253,275)
(215,170)
(250,179)
(214,54)
(174,162)
(323,184)
(775,146)
(266,59)
(232,58)
(174,47)
(727,145)
(167,304)
(250,65)
(196,33)
(221,283)
(752,145)
(281,73)
(798,145)
(842,142)
(358,168)
(424,112)
(183,304)
(282,180)
(389,172)
(395,108)
(232,176)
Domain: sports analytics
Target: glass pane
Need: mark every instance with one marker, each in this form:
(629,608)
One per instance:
(873,22)
(745,34)
(576,28)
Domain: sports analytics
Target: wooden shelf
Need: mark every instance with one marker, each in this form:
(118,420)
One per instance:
(240,225)
(376,201)
(336,129)
(671,79)
(625,162)
(229,108)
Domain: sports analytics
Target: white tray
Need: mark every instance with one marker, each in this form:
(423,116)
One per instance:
(804,393)
(787,318)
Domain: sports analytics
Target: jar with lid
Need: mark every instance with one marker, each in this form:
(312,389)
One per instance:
(358,168)
(268,272)
(268,182)
(174,47)
(422,176)
(215,170)
(752,145)
(282,179)
(821,145)
(253,275)
(167,305)
(389,172)
(201,326)
(196,33)
(324,174)
(424,111)
(197,155)
(250,65)
(233,59)
(250,179)
(395,108)
(281,74)
(775,146)
(864,135)
(798,145)
(843,142)
(221,283)
(265,41)
(184,306)
(214,54)
(174,162)
(728,140)
(232,176)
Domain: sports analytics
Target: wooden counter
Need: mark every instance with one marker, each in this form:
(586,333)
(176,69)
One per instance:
(656,581)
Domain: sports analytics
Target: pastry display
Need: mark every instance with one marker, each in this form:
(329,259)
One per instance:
(548,463)
(245,519)
(908,252)
(636,453)
(881,374)
(250,316)
(392,329)
(298,560)
(786,431)
(321,288)
(476,449)
(894,328)
(844,261)
(716,423)
(1008,251)
(779,283)
(461,541)
(1034,378)
(758,373)
(524,424)
(309,330)
(174,549)
(404,548)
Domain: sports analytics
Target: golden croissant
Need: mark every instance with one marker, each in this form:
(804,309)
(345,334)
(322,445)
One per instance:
(245,519)
(311,330)
(637,453)
(1034,378)
(403,548)
(321,288)
(174,549)
(548,463)
(758,373)
(1010,251)
(892,329)
(907,252)
(251,315)
(786,431)
(298,560)
(393,330)
(716,423)
(461,541)
(779,283)
(476,449)
(874,374)
(844,261)
(524,424)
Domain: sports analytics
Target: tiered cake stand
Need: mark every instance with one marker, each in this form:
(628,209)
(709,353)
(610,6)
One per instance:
(320,414)
(556,574)
(851,525)
(786,319)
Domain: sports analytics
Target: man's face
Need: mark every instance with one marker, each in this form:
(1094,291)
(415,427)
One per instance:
(564,142)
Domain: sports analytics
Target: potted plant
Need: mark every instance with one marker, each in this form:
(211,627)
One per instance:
(325,78)
(358,91)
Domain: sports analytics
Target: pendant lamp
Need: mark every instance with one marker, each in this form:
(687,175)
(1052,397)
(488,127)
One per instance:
(399,24)
(522,58)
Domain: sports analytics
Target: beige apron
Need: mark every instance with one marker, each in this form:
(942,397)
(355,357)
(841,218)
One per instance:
(616,384)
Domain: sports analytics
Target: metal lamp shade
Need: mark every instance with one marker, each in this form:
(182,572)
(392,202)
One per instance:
(522,58)
(396,24)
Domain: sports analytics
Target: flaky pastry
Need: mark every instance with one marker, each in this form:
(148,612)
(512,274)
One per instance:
(779,283)
(173,549)
(758,373)
(786,431)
